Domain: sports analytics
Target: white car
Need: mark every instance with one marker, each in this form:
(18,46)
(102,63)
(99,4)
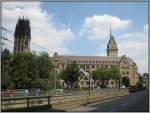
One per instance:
(59,91)
(123,86)
(21,92)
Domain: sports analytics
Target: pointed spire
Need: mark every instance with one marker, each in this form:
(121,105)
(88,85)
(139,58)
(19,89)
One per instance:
(111,36)
(112,49)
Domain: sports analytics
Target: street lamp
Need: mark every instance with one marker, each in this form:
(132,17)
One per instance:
(119,84)
(89,85)
(55,70)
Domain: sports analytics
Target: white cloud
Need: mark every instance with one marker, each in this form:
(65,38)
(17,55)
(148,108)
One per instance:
(98,26)
(102,54)
(146,28)
(135,45)
(44,32)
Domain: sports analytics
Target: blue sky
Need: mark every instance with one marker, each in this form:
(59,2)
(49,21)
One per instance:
(74,13)
(82,28)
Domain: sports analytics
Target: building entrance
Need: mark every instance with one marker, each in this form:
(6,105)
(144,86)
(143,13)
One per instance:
(126,81)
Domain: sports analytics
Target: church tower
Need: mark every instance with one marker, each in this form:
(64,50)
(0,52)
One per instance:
(112,49)
(22,35)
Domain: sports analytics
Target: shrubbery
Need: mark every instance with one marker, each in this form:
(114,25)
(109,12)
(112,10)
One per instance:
(26,70)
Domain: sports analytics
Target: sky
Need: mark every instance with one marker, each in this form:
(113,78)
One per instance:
(83,28)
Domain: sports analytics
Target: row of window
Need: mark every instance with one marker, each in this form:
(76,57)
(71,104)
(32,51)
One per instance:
(92,62)
(125,67)
(92,66)
(125,72)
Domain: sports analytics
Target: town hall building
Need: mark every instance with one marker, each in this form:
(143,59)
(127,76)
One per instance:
(128,67)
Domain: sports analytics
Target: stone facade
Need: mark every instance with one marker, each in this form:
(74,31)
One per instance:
(22,36)
(112,49)
(128,67)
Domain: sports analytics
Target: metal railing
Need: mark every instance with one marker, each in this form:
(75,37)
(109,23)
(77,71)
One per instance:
(48,99)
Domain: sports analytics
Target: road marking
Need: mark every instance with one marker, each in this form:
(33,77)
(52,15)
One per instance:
(89,108)
(83,109)
(103,101)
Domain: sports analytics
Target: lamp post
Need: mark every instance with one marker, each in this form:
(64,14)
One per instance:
(55,79)
(119,84)
(89,85)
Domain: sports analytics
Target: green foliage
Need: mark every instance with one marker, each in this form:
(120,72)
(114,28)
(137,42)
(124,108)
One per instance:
(6,80)
(70,73)
(115,73)
(141,81)
(44,63)
(26,70)
(43,84)
(106,73)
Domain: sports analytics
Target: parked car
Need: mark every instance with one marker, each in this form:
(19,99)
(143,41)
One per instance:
(59,91)
(21,93)
(34,92)
(123,86)
(8,93)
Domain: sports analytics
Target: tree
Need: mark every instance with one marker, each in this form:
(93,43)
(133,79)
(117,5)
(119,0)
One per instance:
(27,70)
(70,74)
(43,84)
(141,81)
(101,74)
(104,74)
(45,71)
(24,69)
(45,65)
(6,80)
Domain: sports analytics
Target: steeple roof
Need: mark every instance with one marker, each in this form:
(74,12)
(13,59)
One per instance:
(112,43)
(112,49)
(112,39)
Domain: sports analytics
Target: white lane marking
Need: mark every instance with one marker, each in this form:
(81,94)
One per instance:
(89,108)
(83,109)
(103,101)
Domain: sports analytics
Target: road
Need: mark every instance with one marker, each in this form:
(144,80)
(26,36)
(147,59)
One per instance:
(134,102)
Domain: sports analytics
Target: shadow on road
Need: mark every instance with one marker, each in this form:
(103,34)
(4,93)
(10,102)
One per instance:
(35,109)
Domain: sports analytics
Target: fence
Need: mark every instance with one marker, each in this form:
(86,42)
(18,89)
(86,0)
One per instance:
(59,101)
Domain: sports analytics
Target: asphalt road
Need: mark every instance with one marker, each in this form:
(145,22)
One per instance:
(134,102)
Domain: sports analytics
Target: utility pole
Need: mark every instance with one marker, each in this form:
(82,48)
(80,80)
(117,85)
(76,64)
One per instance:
(55,75)
(89,86)
(55,80)
(119,84)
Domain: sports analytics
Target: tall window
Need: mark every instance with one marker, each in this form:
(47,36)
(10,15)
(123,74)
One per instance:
(87,66)
(93,66)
